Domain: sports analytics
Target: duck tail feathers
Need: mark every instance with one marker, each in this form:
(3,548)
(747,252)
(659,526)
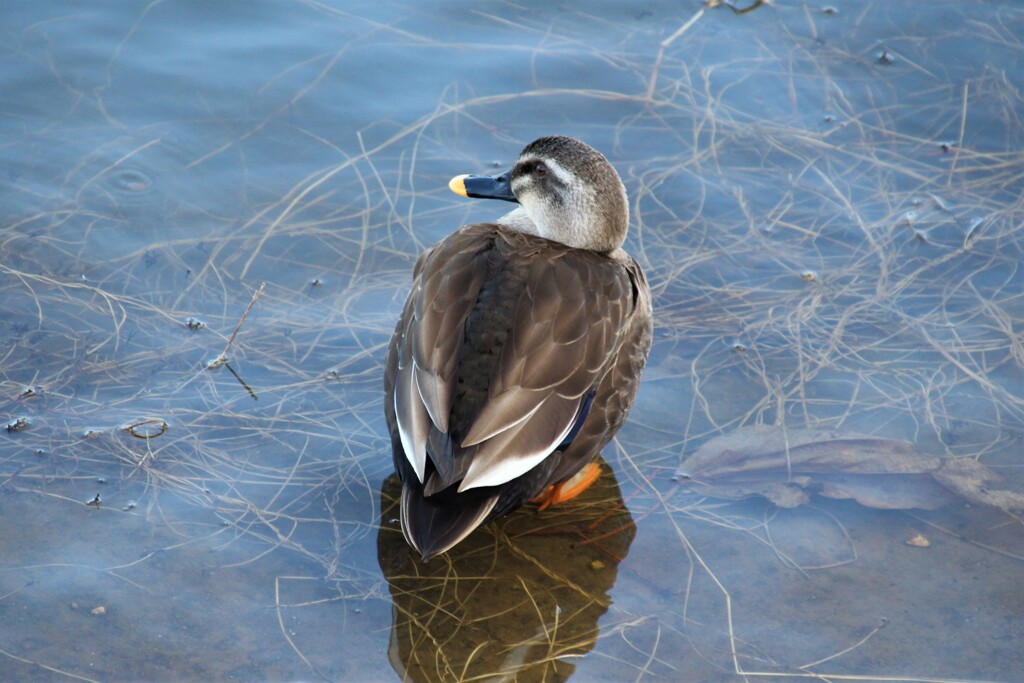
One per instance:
(432,525)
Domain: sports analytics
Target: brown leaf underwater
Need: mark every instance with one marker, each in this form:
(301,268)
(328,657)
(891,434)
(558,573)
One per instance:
(787,465)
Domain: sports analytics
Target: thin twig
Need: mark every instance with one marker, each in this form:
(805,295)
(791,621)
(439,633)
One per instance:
(223,357)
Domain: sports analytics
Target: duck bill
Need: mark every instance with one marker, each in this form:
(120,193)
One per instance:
(484,186)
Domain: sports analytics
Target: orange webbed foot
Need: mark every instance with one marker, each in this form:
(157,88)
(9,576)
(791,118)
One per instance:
(570,488)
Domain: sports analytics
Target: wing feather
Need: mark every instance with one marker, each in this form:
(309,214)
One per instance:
(520,448)
(447,281)
(562,341)
(413,420)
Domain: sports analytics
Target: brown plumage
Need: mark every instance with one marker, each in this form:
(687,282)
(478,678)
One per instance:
(516,357)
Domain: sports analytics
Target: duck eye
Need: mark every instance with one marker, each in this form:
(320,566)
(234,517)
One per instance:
(541,170)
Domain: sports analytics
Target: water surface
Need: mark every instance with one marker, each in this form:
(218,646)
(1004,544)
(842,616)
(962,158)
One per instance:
(827,201)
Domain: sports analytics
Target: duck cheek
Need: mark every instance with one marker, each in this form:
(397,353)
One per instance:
(528,200)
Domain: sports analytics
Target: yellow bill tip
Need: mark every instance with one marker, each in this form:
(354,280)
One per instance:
(458,185)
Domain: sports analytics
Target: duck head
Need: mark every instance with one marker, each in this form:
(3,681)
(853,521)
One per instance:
(567,190)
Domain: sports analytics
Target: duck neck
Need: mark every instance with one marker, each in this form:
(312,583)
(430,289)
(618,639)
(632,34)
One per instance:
(519,220)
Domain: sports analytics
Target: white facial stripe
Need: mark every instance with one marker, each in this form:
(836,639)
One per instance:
(564,175)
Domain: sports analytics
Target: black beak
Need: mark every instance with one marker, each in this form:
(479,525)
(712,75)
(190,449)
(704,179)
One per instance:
(484,186)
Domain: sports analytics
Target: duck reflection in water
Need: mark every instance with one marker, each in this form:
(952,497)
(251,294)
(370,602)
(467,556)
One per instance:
(519,600)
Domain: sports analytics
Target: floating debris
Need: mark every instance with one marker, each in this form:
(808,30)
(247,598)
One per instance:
(18,425)
(939,202)
(919,541)
(712,4)
(30,392)
(145,429)
(969,232)
(131,181)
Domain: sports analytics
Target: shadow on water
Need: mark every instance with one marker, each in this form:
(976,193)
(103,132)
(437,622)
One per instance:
(827,202)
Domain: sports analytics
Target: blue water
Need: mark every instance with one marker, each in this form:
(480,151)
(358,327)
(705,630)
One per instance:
(826,202)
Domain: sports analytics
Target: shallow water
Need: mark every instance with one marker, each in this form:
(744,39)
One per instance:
(827,202)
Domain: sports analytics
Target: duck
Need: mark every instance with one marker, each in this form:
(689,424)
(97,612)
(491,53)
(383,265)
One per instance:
(518,353)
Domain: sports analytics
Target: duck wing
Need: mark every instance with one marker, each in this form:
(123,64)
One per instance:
(423,356)
(503,337)
(567,328)
(619,385)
